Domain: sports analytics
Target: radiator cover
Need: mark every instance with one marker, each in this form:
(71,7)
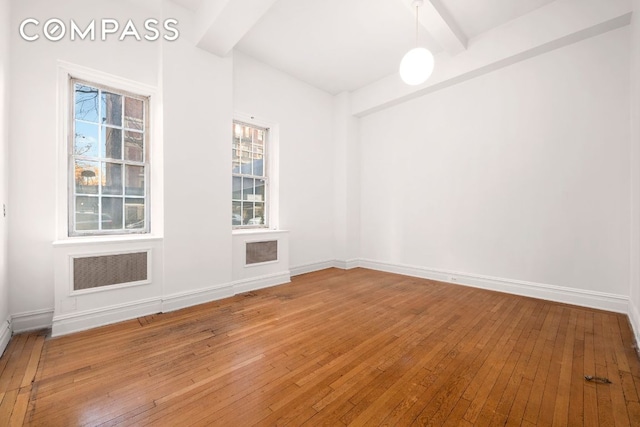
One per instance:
(260,252)
(107,270)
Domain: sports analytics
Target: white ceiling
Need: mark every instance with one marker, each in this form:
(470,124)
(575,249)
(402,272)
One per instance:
(336,45)
(477,16)
(343,45)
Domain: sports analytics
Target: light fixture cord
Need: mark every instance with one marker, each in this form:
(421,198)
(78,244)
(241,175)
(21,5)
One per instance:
(417,24)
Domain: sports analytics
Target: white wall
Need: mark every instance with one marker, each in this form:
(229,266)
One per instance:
(197,132)
(346,182)
(520,174)
(306,159)
(194,93)
(634,294)
(5,332)
(34,131)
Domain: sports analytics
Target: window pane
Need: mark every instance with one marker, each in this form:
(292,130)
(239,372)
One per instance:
(133,113)
(134,180)
(86,103)
(259,190)
(236,214)
(247,213)
(111,213)
(111,143)
(236,158)
(237,188)
(86,139)
(258,214)
(245,163)
(111,178)
(134,213)
(87,176)
(86,213)
(134,146)
(258,164)
(111,109)
(247,189)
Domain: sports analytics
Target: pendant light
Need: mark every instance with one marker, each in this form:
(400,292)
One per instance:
(417,64)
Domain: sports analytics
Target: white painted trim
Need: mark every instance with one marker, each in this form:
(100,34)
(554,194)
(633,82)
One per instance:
(79,321)
(5,334)
(323,265)
(346,265)
(272,172)
(182,300)
(311,267)
(581,297)
(31,320)
(65,72)
(83,320)
(260,282)
(105,240)
(634,319)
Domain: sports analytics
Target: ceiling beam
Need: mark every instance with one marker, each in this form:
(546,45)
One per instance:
(221,24)
(565,22)
(439,23)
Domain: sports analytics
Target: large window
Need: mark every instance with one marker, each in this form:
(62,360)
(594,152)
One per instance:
(250,176)
(109,161)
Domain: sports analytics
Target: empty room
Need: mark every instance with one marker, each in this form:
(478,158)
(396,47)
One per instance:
(335,212)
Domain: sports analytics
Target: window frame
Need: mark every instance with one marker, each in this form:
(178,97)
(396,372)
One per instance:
(71,158)
(266,159)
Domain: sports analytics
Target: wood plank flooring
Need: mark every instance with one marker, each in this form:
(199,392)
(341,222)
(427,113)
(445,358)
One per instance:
(358,348)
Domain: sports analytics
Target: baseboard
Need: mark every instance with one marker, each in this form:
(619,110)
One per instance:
(5,334)
(79,321)
(346,265)
(634,318)
(201,296)
(261,282)
(310,268)
(31,320)
(592,299)
(182,300)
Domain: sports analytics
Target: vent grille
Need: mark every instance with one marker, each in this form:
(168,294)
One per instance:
(106,270)
(259,252)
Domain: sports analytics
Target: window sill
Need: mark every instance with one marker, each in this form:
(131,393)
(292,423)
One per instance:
(256,231)
(97,240)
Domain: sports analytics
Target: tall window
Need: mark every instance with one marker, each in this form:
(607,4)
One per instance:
(250,178)
(109,162)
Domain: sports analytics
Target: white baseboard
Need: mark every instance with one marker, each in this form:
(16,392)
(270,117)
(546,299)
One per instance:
(592,299)
(79,321)
(181,300)
(260,282)
(346,265)
(310,268)
(5,334)
(31,320)
(634,318)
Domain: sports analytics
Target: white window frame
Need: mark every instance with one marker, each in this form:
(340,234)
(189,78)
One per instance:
(271,167)
(72,157)
(154,177)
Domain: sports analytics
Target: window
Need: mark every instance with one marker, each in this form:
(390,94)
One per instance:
(250,177)
(108,161)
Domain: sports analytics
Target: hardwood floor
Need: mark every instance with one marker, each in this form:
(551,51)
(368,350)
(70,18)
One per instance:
(334,348)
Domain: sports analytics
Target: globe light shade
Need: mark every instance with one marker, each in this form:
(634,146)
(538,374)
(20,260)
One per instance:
(416,66)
